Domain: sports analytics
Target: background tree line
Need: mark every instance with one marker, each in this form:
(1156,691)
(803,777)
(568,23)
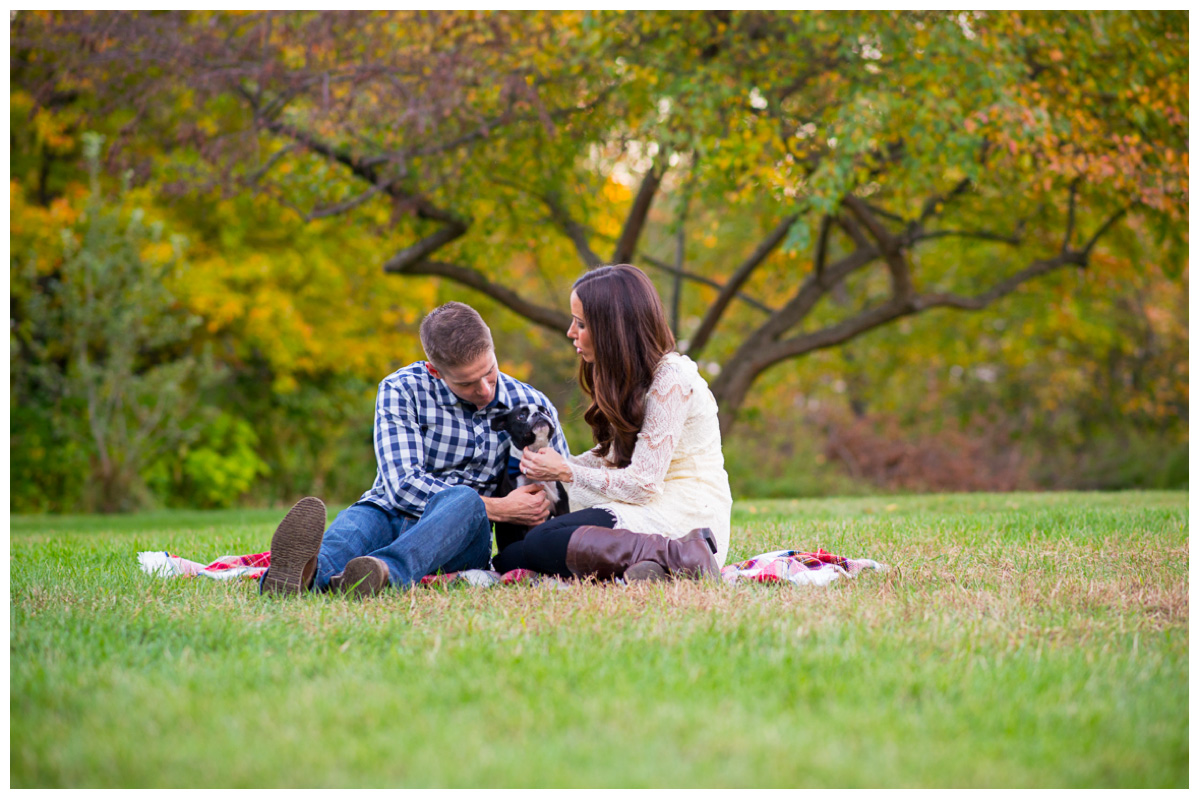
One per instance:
(910,250)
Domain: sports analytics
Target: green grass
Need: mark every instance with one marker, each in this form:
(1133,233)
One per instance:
(1018,640)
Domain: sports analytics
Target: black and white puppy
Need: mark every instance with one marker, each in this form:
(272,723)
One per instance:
(527,425)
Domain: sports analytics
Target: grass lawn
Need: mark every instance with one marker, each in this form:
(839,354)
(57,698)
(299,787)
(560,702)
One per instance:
(1018,640)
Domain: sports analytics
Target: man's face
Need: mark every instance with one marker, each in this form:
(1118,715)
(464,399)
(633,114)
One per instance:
(473,382)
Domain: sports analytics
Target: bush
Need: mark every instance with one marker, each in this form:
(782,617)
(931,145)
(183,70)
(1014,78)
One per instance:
(102,368)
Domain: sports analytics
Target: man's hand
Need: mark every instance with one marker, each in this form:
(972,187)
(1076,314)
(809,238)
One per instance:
(525,505)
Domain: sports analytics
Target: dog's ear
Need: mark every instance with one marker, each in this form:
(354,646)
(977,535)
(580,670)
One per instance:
(500,423)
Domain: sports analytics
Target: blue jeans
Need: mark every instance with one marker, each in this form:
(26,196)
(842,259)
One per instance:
(453,534)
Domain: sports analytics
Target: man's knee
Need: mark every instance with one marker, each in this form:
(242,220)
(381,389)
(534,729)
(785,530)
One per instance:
(360,519)
(463,499)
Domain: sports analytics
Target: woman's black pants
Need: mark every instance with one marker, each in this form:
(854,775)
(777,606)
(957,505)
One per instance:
(544,548)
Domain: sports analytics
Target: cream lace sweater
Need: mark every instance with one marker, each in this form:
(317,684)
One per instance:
(676,480)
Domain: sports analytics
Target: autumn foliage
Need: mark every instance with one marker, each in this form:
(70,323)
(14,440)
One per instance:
(915,220)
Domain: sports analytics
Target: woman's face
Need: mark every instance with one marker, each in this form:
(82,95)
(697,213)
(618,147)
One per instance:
(578,332)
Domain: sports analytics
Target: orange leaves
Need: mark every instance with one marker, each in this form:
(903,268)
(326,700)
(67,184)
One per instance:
(37,229)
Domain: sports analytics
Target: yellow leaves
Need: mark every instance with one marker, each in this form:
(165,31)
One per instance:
(20,101)
(34,228)
(50,130)
(284,384)
(520,370)
(158,252)
(954,175)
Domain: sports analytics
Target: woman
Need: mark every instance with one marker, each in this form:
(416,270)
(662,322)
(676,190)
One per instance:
(651,499)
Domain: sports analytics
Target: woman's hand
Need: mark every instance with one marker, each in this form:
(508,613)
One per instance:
(545,465)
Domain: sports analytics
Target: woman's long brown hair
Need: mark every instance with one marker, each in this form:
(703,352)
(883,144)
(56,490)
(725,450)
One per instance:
(630,335)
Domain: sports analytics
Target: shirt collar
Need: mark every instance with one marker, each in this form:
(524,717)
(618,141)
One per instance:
(501,399)
(445,397)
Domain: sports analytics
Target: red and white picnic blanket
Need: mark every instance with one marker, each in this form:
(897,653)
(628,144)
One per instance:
(793,566)
(798,567)
(165,565)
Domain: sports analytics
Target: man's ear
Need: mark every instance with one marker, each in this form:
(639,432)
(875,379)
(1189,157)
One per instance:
(433,370)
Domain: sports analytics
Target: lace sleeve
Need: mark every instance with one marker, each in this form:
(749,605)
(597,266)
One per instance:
(642,480)
(587,459)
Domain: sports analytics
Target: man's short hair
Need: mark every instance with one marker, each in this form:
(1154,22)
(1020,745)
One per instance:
(453,335)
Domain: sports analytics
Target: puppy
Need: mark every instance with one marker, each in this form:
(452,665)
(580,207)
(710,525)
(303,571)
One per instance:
(527,425)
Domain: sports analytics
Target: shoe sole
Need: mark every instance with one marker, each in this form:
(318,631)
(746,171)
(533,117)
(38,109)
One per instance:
(295,543)
(364,576)
(645,571)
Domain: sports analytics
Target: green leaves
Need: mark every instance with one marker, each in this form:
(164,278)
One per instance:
(103,337)
(799,237)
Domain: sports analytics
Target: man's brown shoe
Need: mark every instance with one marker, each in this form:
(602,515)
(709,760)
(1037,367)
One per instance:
(294,549)
(364,576)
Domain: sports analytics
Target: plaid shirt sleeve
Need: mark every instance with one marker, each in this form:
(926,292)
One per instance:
(400,451)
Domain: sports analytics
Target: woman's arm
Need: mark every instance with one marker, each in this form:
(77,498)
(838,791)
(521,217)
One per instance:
(588,458)
(642,480)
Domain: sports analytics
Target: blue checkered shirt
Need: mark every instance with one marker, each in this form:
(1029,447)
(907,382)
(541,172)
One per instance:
(427,439)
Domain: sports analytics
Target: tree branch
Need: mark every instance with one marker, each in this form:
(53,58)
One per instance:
(733,285)
(688,276)
(883,212)
(409,257)
(1066,243)
(346,205)
(988,236)
(367,172)
(810,292)
(485,130)
(897,307)
(879,232)
(1004,287)
(890,246)
(576,232)
(636,221)
(854,232)
(821,254)
(547,317)
(274,159)
(680,252)
(931,209)
(358,166)
(844,331)
(1087,248)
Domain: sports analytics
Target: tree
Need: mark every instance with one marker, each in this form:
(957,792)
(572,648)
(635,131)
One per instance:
(865,148)
(97,337)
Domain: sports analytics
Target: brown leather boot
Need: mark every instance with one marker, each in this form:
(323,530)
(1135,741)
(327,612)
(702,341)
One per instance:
(294,549)
(605,553)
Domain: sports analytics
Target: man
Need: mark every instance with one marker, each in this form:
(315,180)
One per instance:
(439,463)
